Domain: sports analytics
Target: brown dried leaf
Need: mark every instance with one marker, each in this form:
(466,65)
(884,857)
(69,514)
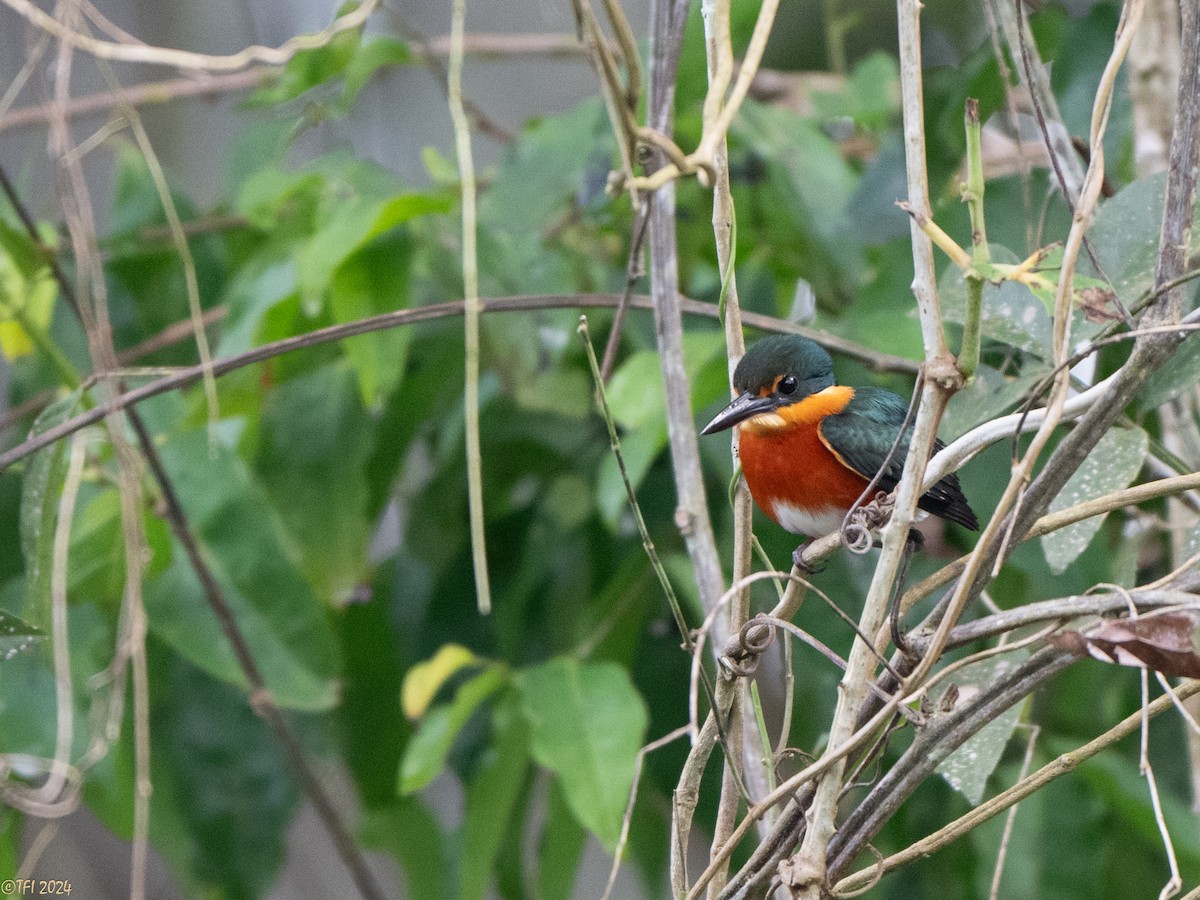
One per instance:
(1097,304)
(1164,643)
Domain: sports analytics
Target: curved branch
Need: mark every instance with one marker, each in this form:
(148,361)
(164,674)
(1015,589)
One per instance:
(394,319)
(187,59)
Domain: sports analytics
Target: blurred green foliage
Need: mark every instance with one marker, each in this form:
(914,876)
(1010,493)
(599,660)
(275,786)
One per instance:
(330,497)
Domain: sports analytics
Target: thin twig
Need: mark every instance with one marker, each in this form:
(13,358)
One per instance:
(1011,819)
(179,240)
(425,50)
(261,699)
(145,94)
(615,443)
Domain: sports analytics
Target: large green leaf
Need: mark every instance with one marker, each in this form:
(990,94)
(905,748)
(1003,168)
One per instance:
(1181,373)
(639,449)
(969,767)
(278,614)
(27,291)
(254,291)
(1125,234)
(588,724)
(990,394)
(560,849)
(635,393)
(16,635)
(492,795)
(315,439)
(1113,463)
(816,170)
(372,729)
(381,51)
(229,785)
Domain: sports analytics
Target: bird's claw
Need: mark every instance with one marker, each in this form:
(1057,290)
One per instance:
(800,561)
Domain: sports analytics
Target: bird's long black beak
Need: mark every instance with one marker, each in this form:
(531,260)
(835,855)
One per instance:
(744,407)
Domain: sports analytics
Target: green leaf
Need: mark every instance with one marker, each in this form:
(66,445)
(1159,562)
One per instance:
(567,392)
(560,849)
(636,394)
(253,292)
(372,56)
(374,280)
(589,722)
(97,552)
(1111,466)
(544,168)
(315,441)
(372,729)
(409,831)
(1117,782)
(492,795)
(16,635)
(968,768)
(353,222)
(639,448)
(27,291)
(228,785)
(1125,234)
(1180,374)
(989,394)
(310,68)
(425,755)
(276,610)
(822,179)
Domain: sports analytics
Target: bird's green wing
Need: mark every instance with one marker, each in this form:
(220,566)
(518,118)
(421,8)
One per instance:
(862,436)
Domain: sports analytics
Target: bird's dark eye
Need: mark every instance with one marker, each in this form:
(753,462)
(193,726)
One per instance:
(788,384)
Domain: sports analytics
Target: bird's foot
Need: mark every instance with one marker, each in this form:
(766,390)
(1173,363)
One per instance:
(801,562)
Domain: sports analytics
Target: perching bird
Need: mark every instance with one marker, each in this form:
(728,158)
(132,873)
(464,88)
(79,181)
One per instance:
(809,447)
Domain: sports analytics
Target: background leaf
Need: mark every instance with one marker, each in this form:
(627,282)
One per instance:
(968,768)
(1111,466)
(588,723)
(16,635)
(276,609)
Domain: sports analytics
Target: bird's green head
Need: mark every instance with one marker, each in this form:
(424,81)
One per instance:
(777,372)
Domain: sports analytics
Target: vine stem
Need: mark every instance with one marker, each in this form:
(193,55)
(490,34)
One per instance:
(185,59)
(470,273)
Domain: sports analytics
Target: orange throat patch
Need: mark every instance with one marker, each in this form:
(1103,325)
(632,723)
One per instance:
(793,475)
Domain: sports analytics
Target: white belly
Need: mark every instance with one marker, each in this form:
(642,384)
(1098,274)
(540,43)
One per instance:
(809,522)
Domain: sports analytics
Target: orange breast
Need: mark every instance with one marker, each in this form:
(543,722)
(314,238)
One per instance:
(792,465)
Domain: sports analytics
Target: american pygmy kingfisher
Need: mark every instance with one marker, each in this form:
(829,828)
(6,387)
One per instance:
(809,447)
